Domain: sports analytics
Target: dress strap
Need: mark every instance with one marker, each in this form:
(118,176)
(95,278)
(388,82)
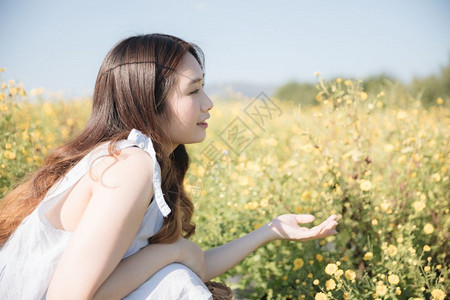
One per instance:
(145,143)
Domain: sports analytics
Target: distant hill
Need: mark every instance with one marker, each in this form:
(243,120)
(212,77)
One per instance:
(224,90)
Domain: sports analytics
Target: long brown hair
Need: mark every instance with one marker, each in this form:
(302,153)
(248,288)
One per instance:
(131,91)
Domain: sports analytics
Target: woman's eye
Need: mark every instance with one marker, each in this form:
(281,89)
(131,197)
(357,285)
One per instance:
(197,90)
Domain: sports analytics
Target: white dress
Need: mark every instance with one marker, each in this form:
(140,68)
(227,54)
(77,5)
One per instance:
(29,258)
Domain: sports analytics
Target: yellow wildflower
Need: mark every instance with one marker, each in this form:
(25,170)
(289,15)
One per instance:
(388,148)
(339,80)
(330,269)
(298,263)
(439,100)
(330,284)
(316,74)
(436,177)
(365,185)
(350,274)
(426,248)
(9,155)
(338,274)
(428,228)
(347,82)
(438,294)
(70,122)
(3,107)
(319,257)
(419,205)
(368,256)
(427,268)
(363,96)
(393,279)
(321,296)
(381,289)
(392,250)
(316,281)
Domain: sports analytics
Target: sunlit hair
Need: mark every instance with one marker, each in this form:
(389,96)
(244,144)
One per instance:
(131,91)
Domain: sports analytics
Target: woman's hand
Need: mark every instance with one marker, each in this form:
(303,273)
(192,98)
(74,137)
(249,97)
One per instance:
(287,227)
(192,256)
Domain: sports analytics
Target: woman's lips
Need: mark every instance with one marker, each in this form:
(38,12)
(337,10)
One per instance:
(203,124)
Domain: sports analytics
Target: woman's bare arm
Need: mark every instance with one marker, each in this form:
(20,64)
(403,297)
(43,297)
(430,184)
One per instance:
(221,259)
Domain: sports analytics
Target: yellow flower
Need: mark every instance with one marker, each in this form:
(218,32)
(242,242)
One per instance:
(368,256)
(428,228)
(392,250)
(339,80)
(319,97)
(3,107)
(381,289)
(13,91)
(436,177)
(9,155)
(316,281)
(419,205)
(347,82)
(388,148)
(70,122)
(393,279)
(319,257)
(426,248)
(437,294)
(316,74)
(350,274)
(427,268)
(330,284)
(439,100)
(298,263)
(374,222)
(338,274)
(330,269)
(363,96)
(310,275)
(321,296)
(365,185)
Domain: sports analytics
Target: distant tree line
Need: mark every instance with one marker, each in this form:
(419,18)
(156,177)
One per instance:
(426,89)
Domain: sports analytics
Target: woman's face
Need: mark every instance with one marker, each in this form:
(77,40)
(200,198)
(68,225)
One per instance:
(188,104)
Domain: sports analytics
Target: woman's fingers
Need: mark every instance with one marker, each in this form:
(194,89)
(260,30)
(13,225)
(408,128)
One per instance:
(304,218)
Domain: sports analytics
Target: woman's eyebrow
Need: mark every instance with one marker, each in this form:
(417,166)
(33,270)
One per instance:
(197,79)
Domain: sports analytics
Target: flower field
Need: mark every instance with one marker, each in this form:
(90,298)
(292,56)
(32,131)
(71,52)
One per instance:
(378,161)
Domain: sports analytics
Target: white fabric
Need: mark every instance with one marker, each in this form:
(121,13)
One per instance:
(29,258)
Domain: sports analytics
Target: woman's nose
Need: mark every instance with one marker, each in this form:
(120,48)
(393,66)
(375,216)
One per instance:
(208,104)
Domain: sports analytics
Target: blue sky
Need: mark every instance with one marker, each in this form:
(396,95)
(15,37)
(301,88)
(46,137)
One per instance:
(60,44)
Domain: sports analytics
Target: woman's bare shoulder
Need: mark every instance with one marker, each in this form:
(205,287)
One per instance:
(131,163)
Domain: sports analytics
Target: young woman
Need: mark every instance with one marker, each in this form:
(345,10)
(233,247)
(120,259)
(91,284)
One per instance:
(89,225)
